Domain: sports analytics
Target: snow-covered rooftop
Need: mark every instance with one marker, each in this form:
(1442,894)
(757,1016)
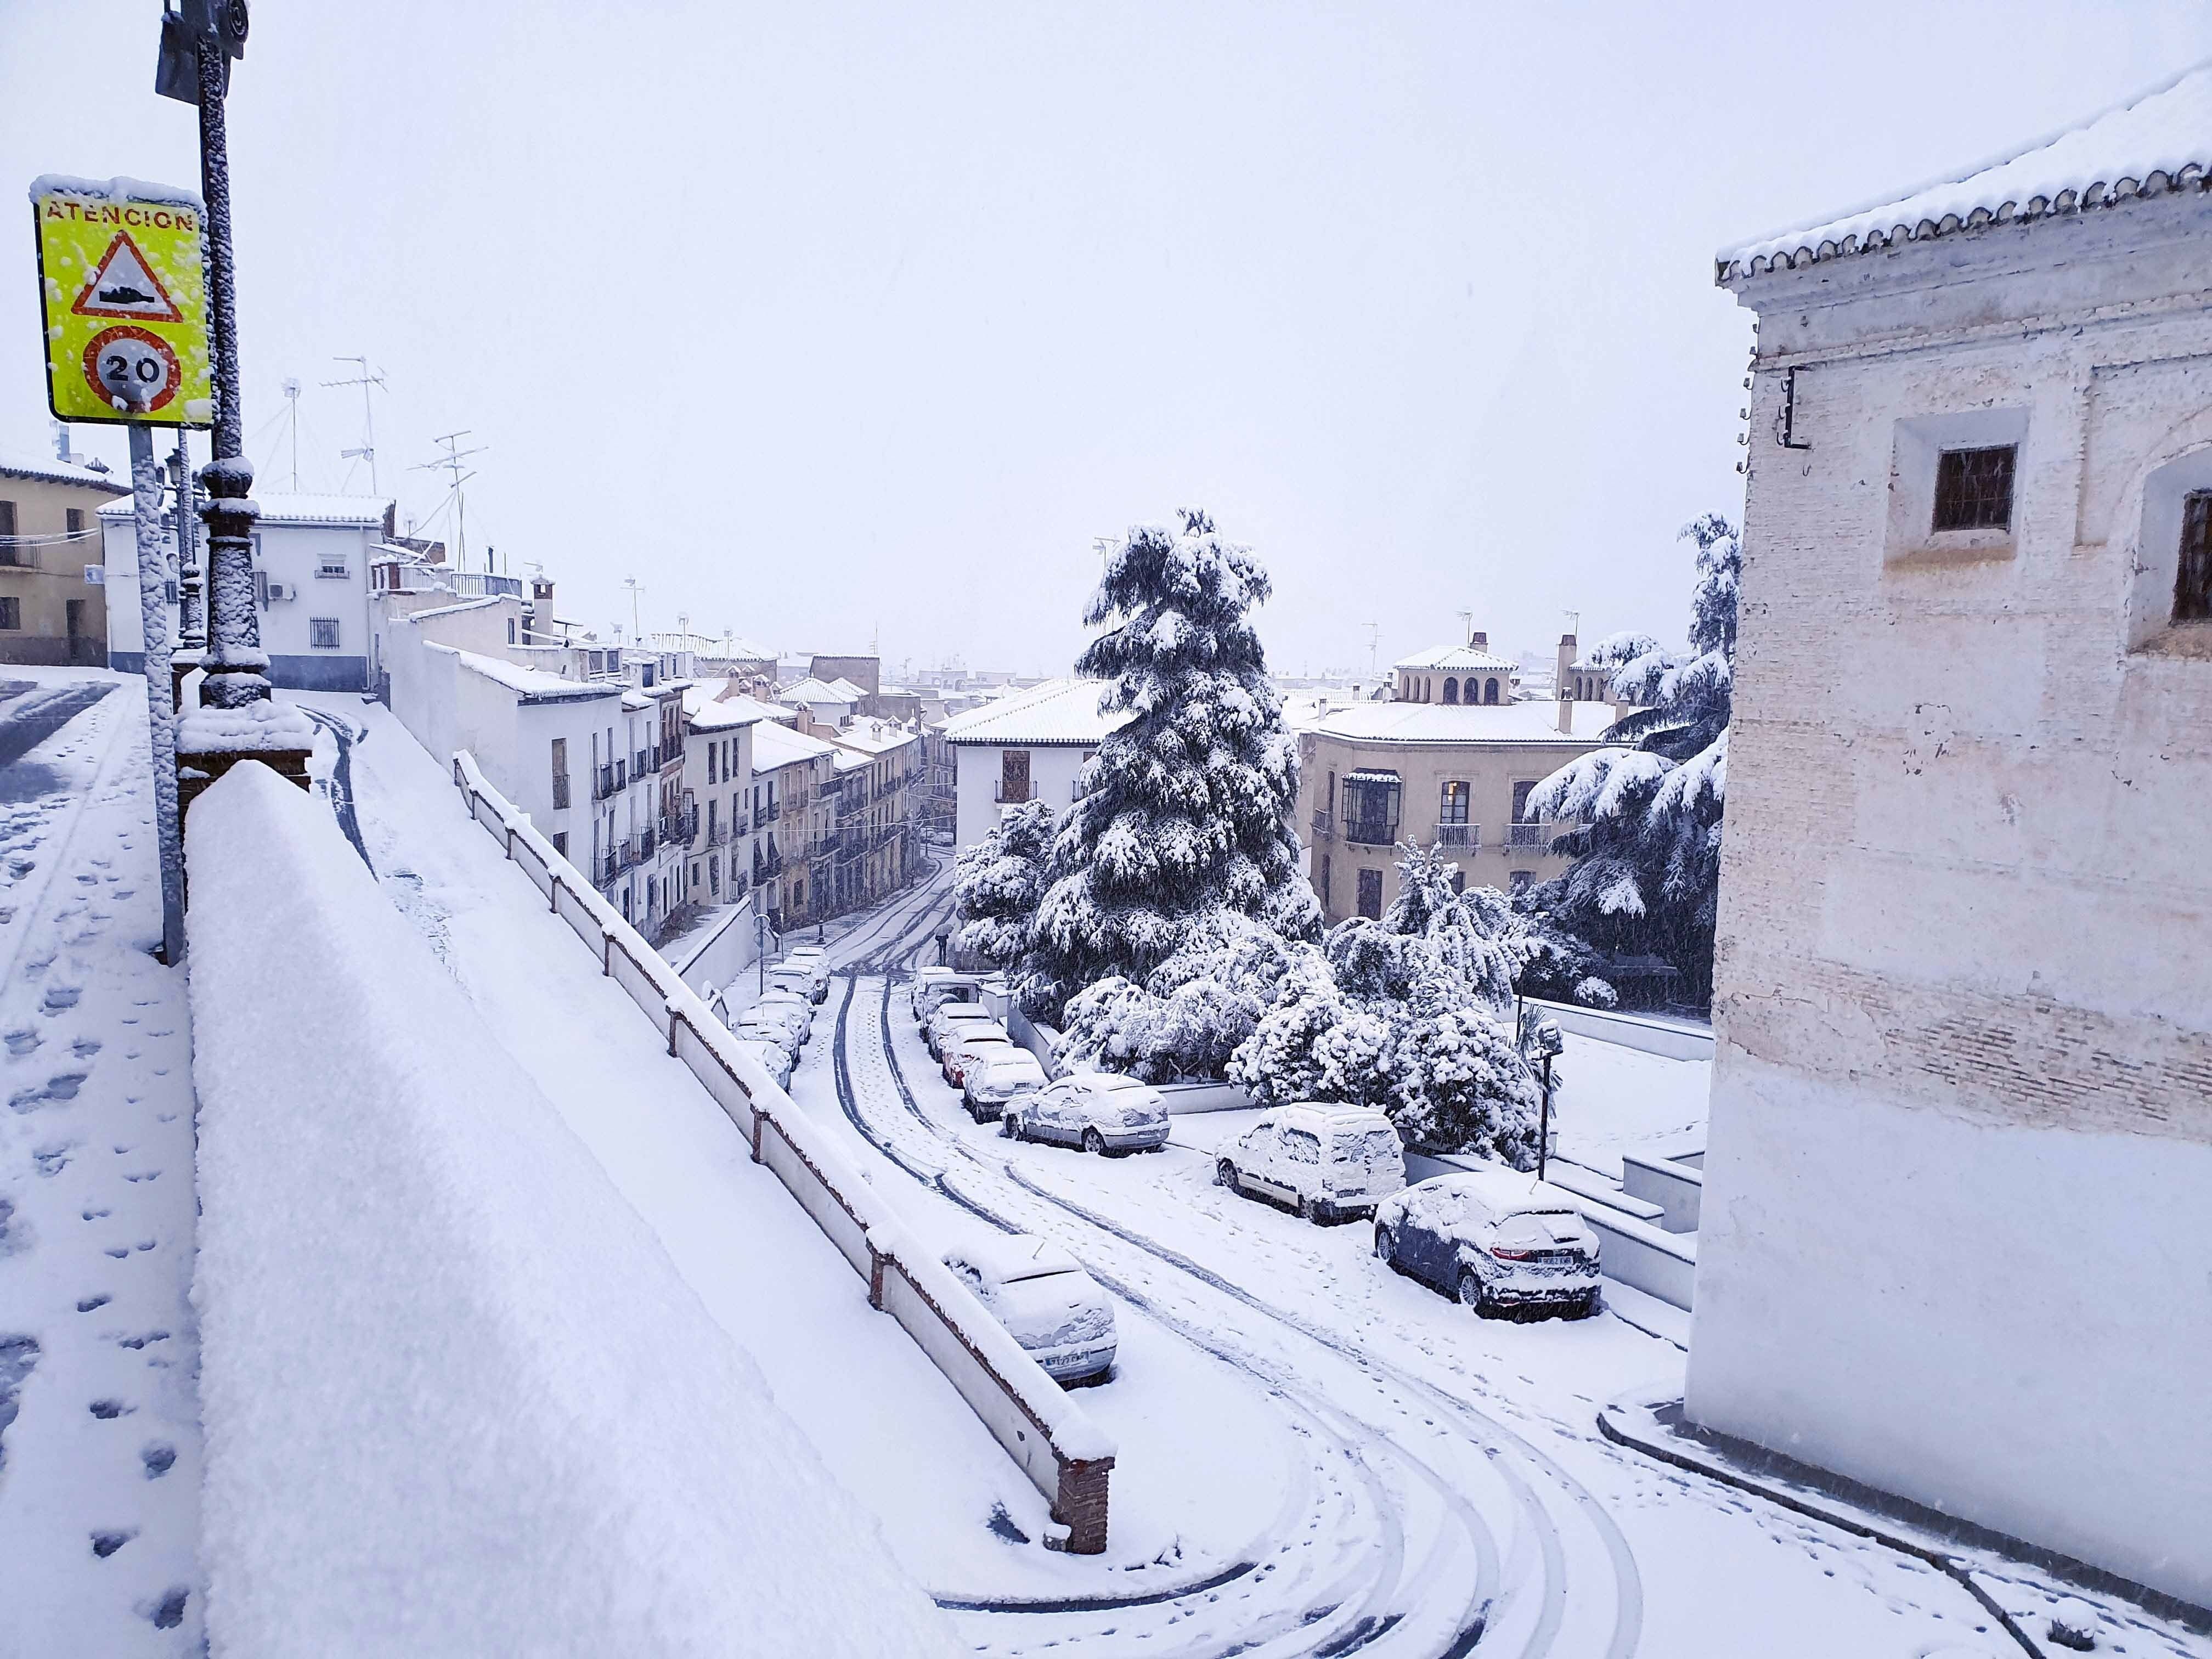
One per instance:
(480,604)
(708,713)
(1504,723)
(534,684)
(299,510)
(810,689)
(1457,657)
(875,737)
(730,647)
(2157,141)
(1057,712)
(12,465)
(778,745)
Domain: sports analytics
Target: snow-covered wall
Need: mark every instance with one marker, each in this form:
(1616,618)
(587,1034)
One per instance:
(1958,1207)
(978,771)
(458,1400)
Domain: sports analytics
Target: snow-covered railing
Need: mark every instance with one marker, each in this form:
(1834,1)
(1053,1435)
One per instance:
(1062,1451)
(458,1399)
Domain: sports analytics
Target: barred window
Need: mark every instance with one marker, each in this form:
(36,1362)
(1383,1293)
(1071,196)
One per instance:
(323,633)
(2192,581)
(1974,488)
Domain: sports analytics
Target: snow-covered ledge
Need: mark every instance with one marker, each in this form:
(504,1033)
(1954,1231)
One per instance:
(458,1400)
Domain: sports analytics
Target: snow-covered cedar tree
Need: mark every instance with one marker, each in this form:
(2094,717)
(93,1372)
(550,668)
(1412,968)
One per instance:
(1314,1044)
(1646,875)
(1192,1012)
(1463,1087)
(998,883)
(1185,808)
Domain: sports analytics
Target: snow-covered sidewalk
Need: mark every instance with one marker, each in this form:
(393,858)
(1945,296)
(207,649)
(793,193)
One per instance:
(99,1468)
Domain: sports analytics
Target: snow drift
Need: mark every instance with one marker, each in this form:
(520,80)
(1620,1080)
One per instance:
(457,1399)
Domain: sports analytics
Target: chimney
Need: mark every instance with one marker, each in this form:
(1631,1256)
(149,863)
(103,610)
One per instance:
(1563,683)
(1479,640)
(1566,713)
(541,609)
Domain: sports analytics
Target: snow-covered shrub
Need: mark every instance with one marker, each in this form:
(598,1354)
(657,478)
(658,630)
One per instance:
(1647,871)
(1191,1014)
(998,881)
(1462,1087)
(1594,992)
(1184,810)
(1315,1044)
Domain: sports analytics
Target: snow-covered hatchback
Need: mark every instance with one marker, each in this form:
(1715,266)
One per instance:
(1098,1111)
(1502,1242)
(1328,1163)
(1046,1301)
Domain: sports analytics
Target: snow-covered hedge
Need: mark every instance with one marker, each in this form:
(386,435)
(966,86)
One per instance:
(458,1400)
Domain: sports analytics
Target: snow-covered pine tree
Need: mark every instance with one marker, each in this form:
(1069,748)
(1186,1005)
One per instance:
(1185,808)
(1646,875)
(998,884)
(1315,1043)
(1191,1014)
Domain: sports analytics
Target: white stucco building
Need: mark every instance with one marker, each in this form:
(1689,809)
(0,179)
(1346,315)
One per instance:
(1027,746)
(1957,1225)
(311,561)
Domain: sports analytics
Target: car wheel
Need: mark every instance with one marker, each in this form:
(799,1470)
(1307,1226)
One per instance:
(1322,1213)
(1224,1175)
(1471,1293)
(1386,1248)
(1008,1128)
(1094,1142)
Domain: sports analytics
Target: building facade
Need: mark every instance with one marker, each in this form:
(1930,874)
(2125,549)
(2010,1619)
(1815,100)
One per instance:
(1029,746)
(1958,1199)
(53,591)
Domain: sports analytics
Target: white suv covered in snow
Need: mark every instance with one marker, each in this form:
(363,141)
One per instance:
(1326,1162)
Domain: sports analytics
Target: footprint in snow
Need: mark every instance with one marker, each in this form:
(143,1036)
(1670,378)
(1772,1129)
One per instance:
(86,1303)
(159,1458)
(84,1048)
(22,1043)
(51,1160)
(105,1544)
(59,996)
(108,1410)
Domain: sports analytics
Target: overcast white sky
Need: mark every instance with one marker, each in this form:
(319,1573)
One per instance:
(827,321)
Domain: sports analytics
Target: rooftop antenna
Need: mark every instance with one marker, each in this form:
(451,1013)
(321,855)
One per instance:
(1466,626)
(1374,644)
(636,588)
(451,462)
(367,378)
(1575,623)
(292,414)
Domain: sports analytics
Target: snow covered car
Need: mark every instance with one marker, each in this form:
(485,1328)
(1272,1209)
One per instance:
(1327,1163)
(948,1018)
(788,1005)
(775,1033)
(1500,1241)
(966,1044)
(774,1060)
(1098,1111)
(942,986)
(994,1078)
(804,979)
(1046,1301)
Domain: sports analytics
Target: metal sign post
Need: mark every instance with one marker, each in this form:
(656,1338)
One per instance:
(124,304)
(1544,1121)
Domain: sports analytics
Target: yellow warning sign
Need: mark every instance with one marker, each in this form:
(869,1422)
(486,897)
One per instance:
(124,306)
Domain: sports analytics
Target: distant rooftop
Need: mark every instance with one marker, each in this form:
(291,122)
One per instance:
(2157,141)
(12,465)
(534,684)
(298,509)
(810,689)
(1057,712)
(1458,658)
(777,745)
(1504,723)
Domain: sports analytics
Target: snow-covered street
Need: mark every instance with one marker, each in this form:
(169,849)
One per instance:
(99,1441)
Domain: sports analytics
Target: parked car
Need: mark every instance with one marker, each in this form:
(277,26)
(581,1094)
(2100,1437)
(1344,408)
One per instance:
(1047,1303)
(774,1060)
(942,986)
(795,1013)
(808,953)
(949,1017)
(1326,1163)
(804,979)
(1502,1242)
(774,1032)
(968,1043)
(924,978)
(1098,1111)
(994,1078)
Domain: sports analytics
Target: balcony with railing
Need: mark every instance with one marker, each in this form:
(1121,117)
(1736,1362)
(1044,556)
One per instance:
(607,866)
(1466,837)
(604,786)
(1371,831)
(1324,824)
(641,763)
(677,828)
(1013,795)
(717,833)
(1528,837)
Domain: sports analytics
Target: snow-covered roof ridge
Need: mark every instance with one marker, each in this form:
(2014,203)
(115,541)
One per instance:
(1063,711)
(534,684)
(12,465)
(1501,724)
(810,689)
(777,745)
(2157,141)
(448,609)
(283,508)
(1460,657)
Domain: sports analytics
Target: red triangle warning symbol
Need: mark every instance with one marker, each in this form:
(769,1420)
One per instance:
(124,285)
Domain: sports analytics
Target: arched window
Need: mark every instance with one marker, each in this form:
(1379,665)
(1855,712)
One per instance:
(1451,691)
(1490,692)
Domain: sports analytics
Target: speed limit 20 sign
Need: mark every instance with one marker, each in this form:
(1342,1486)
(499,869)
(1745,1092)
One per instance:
(124,306)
